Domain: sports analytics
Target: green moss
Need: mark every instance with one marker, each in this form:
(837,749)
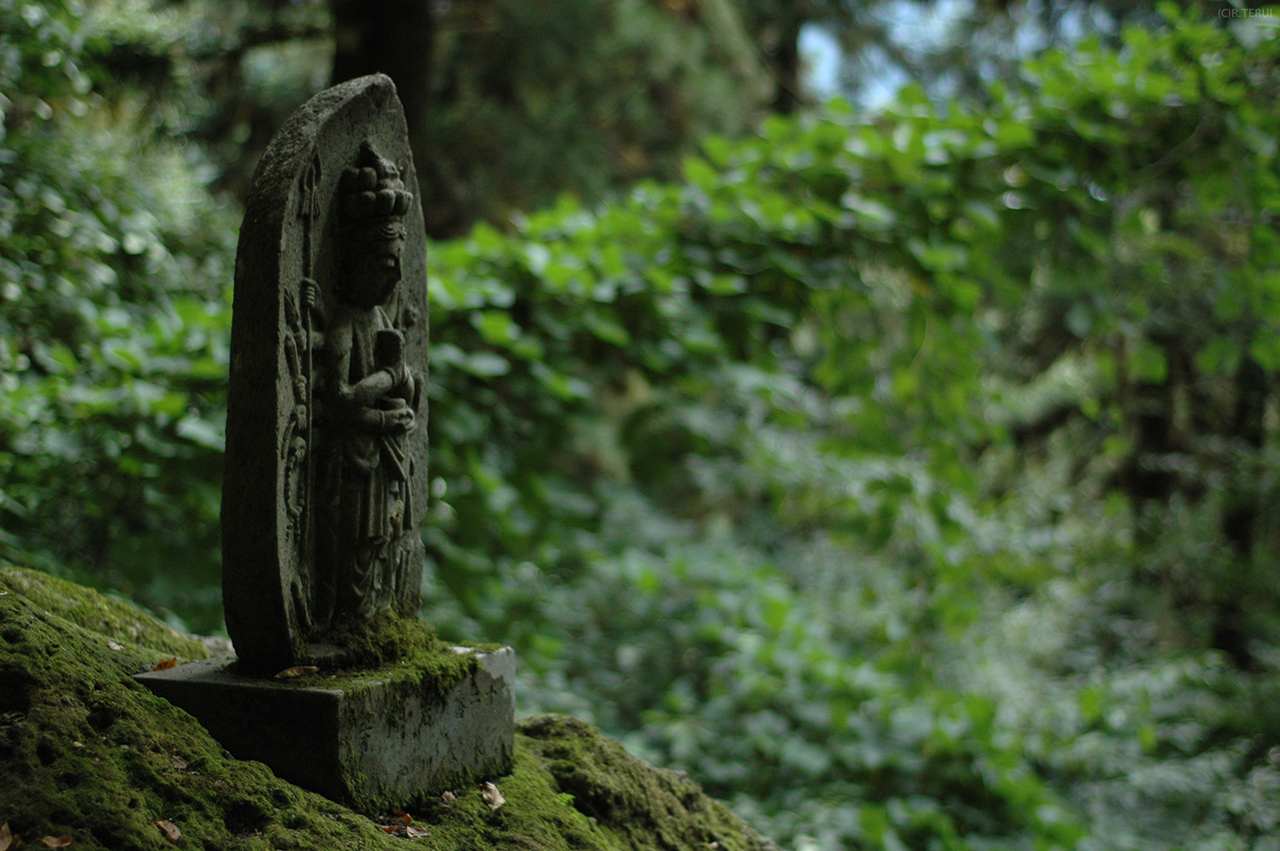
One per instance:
(118,621)
(86,753)
(430,674)
(428,667)
(389,637)
(635,805)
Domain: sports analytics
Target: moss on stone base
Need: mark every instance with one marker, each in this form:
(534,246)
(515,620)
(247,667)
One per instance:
(86,753)
(389,637)
(398,652)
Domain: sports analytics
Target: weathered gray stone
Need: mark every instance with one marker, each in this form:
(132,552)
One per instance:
(373,740)
(325,478)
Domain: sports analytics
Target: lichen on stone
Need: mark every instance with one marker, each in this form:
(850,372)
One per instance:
(87,753)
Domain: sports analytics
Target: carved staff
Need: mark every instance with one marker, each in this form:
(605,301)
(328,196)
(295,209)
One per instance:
(308,212)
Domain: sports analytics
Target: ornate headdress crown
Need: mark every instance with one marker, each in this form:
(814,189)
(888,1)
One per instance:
(372,189)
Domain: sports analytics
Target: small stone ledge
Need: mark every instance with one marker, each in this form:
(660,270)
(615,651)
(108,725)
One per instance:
(373,740)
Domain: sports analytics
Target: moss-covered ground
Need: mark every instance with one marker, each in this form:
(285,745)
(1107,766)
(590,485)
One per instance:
(88,754)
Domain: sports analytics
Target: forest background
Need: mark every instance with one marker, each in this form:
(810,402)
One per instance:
(909,476)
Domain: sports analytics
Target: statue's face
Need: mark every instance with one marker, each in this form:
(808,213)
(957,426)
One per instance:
(375,271)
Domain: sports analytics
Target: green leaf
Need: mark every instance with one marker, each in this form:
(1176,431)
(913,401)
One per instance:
(606,328)
(496,327)
(201,432)
(870,214)
(700,173)
(1220,356)
(1147,362)
(485,364)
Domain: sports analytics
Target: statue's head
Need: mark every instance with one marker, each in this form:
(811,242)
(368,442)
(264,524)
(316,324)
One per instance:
(373,203)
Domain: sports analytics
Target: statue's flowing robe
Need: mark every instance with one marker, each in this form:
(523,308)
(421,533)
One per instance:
(370,494)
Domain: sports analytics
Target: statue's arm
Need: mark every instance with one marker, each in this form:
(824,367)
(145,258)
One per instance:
(370,389)
(364,392)
(358,400)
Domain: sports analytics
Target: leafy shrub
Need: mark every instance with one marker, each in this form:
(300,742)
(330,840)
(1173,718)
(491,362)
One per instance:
(113,325)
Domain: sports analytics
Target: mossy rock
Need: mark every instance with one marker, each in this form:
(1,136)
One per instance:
(86,753)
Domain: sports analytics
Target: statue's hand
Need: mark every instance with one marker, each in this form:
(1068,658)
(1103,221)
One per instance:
(398,421)
(310,293)
(399,375)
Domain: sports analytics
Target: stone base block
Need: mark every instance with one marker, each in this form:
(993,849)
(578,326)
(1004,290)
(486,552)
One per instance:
(373,740)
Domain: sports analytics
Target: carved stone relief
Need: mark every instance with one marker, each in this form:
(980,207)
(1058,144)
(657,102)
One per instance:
(325,476)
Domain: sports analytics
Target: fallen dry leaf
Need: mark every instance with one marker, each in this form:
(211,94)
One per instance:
(491,796)
(448,797)
(6,838)
(415,832)
(296,671)
(115,645)
(56,841)
(180,763)
(170,831)
(408,819)
(390,828)
(165,665)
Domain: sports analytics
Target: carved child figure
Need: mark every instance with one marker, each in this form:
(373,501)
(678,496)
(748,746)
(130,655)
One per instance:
(371,400)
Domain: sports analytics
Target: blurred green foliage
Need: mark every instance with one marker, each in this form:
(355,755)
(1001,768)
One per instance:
(909,479)
(531,100)
(782,468)
(114,308)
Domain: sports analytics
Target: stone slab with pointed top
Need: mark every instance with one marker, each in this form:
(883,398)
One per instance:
(287,438)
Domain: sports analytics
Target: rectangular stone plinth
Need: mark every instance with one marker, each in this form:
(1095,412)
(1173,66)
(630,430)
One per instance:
(374,740)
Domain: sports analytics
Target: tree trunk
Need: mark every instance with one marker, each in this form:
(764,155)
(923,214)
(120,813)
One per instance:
(1229,631)
(1239,518)
(786,65)
(728,33)
(396,38)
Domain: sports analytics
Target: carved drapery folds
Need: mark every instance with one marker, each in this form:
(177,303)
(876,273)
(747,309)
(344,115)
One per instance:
(371,401)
